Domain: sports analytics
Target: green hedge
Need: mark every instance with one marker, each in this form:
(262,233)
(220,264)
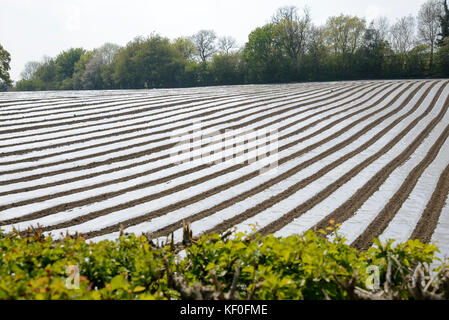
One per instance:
(216,267)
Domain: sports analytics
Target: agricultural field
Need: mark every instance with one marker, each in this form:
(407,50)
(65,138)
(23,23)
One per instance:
(280,159)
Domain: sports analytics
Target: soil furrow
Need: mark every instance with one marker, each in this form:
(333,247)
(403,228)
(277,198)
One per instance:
(60,99)
(97,101)
(97,118)
(76,102)
(266,101)
(98,107)
(430,217)
(301,184)
(113,98)
(380,223)
(346,210)
(81,102)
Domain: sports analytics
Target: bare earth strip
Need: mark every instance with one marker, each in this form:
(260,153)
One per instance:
(350,207)
(270,202)
(357,200)
(430,217)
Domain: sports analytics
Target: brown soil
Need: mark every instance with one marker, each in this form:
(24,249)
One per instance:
(349,208)
(429,219)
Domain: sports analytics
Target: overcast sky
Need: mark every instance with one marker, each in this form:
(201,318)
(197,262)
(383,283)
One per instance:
(30,29)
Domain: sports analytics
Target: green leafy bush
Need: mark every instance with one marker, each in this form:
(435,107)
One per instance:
(216,267)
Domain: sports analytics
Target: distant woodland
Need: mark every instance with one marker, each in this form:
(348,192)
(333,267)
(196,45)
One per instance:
(290,48)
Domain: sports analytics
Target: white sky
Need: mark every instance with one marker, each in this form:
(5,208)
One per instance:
(30,29)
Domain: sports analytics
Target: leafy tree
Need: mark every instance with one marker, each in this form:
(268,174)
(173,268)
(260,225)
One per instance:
(444,23)
(108,53)
(226,69)
(345,35)
(65,64)
(372,53)
(26,85)
(403,35)
(291,35)
(80,68)
(263,55)
(149,63)
(66,84)
(443,58)
(382,26)
(90,68)
(315,66)
(186,47)
(197,74)
(5,59)
(44,78)
(38,76)
(288,48)
(92,76)
(417,61)
(429,26)
(443,42)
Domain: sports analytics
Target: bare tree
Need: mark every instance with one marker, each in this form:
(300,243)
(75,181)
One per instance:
(30,69)
(92,74)
(204,42)
(226,44)
(344,33)
(402,35)
(293,30)
(316,38)
(382,27)
(429,25)
(90,77)
(288,13)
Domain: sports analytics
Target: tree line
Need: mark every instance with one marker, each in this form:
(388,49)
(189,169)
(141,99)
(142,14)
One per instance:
(290,48)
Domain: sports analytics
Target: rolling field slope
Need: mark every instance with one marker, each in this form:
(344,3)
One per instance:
(282,159)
